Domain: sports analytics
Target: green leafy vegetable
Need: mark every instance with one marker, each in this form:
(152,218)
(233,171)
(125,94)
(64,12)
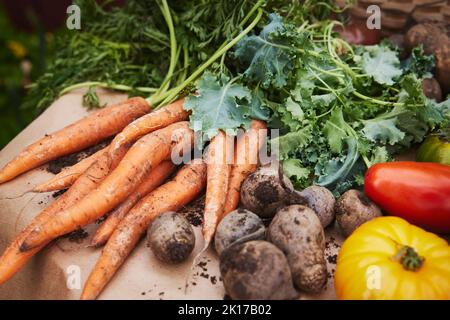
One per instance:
(293,169)
(334,130)
(218,105)
(269,55)
(419,63)
(292,142)
(382,64)
(295,109)
(337,113)
(337,170)
(383,130)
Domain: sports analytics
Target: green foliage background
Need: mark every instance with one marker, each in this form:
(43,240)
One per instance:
(34,48)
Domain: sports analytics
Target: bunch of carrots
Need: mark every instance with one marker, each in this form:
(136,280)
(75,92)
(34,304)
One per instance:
(126,181)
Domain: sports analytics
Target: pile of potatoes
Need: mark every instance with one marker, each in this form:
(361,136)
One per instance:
(274,262)
(435,41)
(287,257)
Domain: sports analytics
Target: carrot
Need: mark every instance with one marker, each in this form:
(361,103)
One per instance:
(69,175)
(218,171)
(173,195)
(158,119)
(75,137)
(245,162)
(143,156)
(13,259)
(219,162)
(155,178)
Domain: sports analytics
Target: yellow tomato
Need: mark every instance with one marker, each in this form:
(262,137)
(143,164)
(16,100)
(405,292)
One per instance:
(388,258)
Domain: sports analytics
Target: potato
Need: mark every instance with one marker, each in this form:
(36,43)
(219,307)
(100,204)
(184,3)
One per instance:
(354,208)
(256,270)
(322,201)
(430,35)
(432,89)
(398,41)
(443,67)
(435,41)
(297,231)
(237,227)
(266,190)
(171,237)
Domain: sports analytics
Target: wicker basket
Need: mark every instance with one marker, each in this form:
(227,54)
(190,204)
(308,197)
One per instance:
(398,15)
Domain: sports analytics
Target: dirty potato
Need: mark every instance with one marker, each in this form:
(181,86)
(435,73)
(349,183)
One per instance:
(297,231)
(237,227)
(171,237)
(354,208)
(265,191)
(256,270)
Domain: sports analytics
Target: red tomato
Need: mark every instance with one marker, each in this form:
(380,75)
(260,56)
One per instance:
(418,192)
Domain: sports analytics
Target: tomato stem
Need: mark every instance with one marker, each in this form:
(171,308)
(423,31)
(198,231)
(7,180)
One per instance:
(409,258)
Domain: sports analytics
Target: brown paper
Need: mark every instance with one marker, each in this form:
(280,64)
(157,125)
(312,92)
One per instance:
(53,273)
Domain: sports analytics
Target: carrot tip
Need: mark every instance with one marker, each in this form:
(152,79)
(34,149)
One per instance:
(97,244)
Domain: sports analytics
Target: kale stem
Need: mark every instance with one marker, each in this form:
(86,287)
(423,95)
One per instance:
(118,87)
(334,56)
(311,52)
(186,64)
(326,85)
(222,63)
(313,25)
(173,47)
(336,75)
(353,133)
(329,72)
(325,113)
(377,101)
(302,27)
(251,12)
(244,21)
(161,100)
(366,161)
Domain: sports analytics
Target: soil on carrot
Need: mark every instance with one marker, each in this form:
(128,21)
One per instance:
(102,219)
(57,165)
(58,193)
(76,236)
(193,212)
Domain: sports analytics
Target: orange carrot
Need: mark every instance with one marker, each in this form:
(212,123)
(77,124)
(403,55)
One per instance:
(218,171)
(143,156)
(245,162)
(158,119)
(155,178)
(69,175)
(173,195)
(75,137)
(13,259)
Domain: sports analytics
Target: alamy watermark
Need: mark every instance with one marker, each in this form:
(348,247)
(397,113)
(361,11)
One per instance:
(73,21)
(374,18)
(267,153)
(73,281)
(373,277)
